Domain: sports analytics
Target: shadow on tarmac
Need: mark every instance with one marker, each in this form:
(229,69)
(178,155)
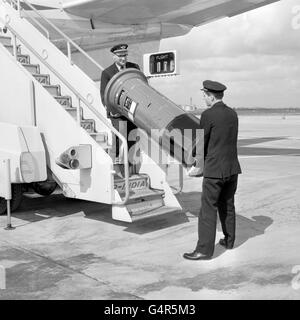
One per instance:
(245,228)
(35,208)
(42,208)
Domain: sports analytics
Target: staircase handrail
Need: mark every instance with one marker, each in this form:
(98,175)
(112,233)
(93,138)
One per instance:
(18,7)
(68,39)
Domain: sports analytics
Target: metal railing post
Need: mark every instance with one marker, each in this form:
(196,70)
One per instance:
(78,115)
(33,103)
(15,51)
(180,178)
(7,181)
(19,8)
(69,52)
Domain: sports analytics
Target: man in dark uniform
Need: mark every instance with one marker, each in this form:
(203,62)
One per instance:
(119,53)
(220,173)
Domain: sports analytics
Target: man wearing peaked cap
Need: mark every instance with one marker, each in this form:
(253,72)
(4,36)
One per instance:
(213,86)
(220,173)
(119,55)
(119,49)
(121,123)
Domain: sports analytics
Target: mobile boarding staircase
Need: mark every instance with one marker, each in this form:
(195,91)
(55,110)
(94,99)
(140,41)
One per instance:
(40,86)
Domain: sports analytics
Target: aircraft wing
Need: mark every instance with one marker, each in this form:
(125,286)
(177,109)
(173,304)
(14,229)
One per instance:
(104,22)
(179,12)
(96,25)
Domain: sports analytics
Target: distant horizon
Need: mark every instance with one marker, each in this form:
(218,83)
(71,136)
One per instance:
(253,111)
(248,108)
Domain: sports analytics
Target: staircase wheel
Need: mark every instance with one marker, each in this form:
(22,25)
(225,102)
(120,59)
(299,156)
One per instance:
(44,188)
(16,198)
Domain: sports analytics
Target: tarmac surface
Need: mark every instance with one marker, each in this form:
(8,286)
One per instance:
(72,249)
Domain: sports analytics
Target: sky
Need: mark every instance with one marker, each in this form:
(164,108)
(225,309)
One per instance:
(256,55)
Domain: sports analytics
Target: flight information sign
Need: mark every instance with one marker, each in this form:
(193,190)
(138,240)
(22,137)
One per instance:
(160,64)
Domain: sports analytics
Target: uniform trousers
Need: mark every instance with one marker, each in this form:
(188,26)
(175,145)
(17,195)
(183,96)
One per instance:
(124,126)
(217,196)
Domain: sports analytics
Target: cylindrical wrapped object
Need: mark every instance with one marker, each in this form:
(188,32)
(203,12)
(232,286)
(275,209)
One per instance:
(178,132)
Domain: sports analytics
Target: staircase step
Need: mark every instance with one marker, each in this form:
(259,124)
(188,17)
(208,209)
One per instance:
(140,208)
(32,68)
(136,182)
(23,58)
(10,48)
(154,213)
(89,125)
(139,196)
(53,89)
(65,101)
(99,136)
(42,78)
(5,40)
(73,112)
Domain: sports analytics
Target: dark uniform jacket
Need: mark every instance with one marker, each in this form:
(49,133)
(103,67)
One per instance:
(220,124)
(106,75)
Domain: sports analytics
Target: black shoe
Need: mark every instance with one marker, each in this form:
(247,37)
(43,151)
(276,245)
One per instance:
(196,256)
(223,242)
